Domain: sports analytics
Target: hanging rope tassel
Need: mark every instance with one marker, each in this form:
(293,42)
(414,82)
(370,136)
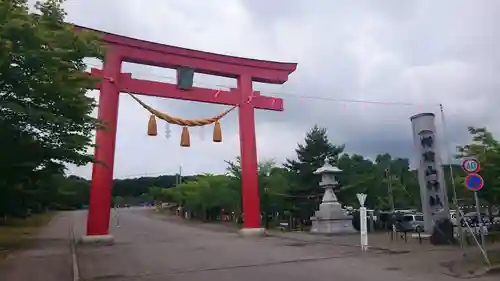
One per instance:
(185,140)
(217,132)
(152,128)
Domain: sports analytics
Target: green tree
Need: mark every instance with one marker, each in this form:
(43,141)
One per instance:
(305,194)
(205,197)
(145,197)
(118,201)
(44,110)
(65,193)
(273,185)
(358,176)
(171,195)
(275,189)
(155,193)
(234,173)
(361,175)
(486,149)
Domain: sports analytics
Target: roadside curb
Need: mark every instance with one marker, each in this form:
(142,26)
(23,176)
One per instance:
(387,250)
(74,260)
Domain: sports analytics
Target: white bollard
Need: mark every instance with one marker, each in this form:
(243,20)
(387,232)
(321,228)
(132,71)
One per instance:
(363,222)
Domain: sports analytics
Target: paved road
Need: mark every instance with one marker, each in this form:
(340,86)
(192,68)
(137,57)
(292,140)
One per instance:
(149,249)
(48,258)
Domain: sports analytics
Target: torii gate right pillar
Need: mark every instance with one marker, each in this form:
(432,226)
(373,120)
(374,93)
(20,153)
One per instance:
(248,149)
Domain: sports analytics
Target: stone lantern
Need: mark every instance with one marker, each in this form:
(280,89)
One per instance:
(331,217)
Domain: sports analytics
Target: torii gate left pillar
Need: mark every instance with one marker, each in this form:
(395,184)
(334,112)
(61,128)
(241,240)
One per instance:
(123,49)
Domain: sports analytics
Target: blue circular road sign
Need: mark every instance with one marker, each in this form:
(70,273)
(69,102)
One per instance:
(474,182)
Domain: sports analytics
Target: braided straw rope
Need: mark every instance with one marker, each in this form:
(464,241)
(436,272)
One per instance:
(180,121)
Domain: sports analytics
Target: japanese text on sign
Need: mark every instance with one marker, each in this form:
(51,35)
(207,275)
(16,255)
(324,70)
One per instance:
(427,142)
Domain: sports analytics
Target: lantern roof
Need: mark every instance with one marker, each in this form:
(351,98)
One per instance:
(327,169)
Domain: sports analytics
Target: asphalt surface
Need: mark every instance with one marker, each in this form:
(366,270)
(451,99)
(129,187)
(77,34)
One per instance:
(47,258)
(150,249)
(153,247)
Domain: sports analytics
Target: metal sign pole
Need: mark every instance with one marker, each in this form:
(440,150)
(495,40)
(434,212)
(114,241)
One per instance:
(480,221)
(475,182)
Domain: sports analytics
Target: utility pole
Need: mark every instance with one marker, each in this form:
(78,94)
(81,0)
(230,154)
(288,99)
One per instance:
(179,176)
(389,187)
(452,179)
(266,208)
(391,200)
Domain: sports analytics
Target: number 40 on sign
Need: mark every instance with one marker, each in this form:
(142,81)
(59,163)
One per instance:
(470,166)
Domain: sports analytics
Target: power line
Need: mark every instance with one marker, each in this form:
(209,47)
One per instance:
(146,175)
(341,100)
(310,196)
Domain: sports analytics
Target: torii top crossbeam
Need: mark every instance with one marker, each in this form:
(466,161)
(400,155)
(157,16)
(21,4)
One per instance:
(155,54)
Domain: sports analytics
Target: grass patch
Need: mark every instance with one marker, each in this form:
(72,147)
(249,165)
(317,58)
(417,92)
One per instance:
(15,233)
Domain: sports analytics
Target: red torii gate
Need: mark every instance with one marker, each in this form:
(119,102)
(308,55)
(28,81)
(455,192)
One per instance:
(124,49)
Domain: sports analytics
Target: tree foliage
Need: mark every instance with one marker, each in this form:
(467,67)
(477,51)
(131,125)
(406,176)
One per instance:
(305,193)
(205,196)
(44,110)
(486,149)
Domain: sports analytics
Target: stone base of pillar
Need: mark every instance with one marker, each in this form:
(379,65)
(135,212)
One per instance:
(252,232)
(100,240)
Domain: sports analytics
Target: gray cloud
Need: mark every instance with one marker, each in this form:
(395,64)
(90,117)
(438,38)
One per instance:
(424,52)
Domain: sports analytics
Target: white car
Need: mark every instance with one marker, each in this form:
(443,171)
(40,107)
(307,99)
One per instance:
(416,220)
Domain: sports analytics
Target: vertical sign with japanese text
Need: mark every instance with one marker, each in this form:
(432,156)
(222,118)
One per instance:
(430,171)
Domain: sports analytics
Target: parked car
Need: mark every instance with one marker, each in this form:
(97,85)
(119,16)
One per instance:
(405,211)
(471,218)
(416,220)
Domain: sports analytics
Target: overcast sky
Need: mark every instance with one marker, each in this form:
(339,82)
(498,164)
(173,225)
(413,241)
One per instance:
(424,52)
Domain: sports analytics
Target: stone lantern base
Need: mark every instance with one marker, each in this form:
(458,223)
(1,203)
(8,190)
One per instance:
(331,219)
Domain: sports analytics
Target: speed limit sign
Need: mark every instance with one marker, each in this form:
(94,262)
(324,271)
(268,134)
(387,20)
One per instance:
(470,165)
